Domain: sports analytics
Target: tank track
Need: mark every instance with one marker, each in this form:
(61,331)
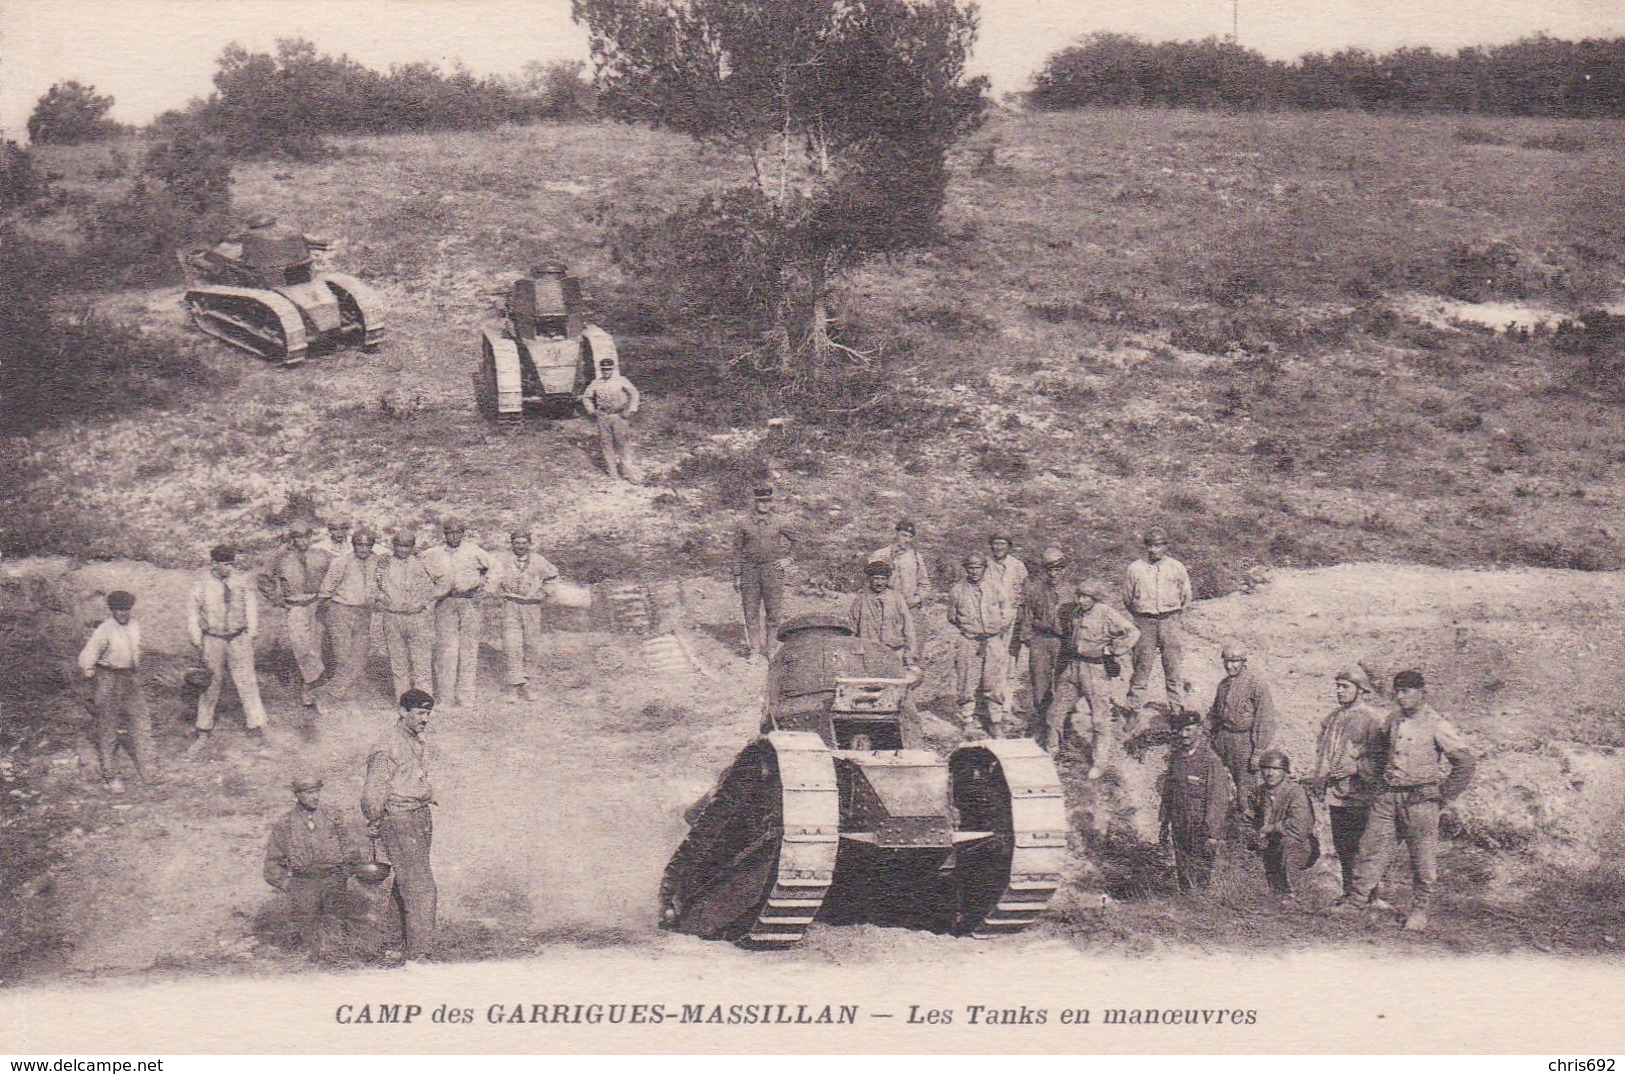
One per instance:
(368,305)
(263,323)
(1024,860)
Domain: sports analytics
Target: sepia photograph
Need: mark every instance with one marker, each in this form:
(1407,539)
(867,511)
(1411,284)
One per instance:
(812,527)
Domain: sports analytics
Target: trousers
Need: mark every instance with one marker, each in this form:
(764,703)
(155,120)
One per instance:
(1193,859)
(1410,817)
(1046,666)
(237,655)
(406,838)
(982,668)
(1164,636)
(1285,859)
(352,642)
(119,692)
(457,622)
(1094,702)
(615,441)
(305,639)
(1235,749)
(1348,825)
(761,595)
(317,901)
(521,639)
(410,641)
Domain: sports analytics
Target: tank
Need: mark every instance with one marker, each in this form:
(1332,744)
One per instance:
(829,817)
(546,354)
(260,292)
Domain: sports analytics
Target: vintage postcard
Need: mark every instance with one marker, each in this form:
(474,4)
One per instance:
(891,526)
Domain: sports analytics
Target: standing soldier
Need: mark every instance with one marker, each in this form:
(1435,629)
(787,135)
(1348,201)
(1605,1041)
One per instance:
(879,614)
(1345,736)
(524,582)
(1424,764)
(1195,803)
(405,595)
(335,542)
(1157,591)
(982,614)
(1283,824)
(1099,634)
(611,399)
(332,544)
(111,659)
(297,581)
(1009,574)
(1046,609)
(762,556)
(222,619)
(460,569)
(908,572)
(396,801)
(1242,720)
(308,858)
(349,590)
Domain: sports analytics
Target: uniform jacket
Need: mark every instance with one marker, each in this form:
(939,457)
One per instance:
(1010,575)
(979,610)
(525,582)
(762,539)
(1157,588)
(352,581)
(611,395)
(908,572)
(459,572)
(405,585)
(1283,810)
(1424,749)
(1345,736)
(1196,792)
(397,775)
(1099,627)
(1242,705)
(1046,608)
(885,618)
(298,575)
(307,842)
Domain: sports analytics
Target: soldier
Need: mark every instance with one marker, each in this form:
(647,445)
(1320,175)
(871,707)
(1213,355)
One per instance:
(524,583)
(1046,610)
(1009,574)
(309,858)
(336,541)
(1195,803)
(1283,824)
(982,614)
(405,595)
(111,659)
(222,619)
(611,399)
(1424,764)
(879,614)
(296,579)
(1157,590)
(349,590)
(1099,634)
(908,572)
(1345,736)
(460,570)
(1242,720)
(762,556)
(333,543)
(396,801)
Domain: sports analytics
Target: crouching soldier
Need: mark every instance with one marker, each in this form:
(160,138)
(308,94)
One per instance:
(1283,825)
(309,858)
(1195,803)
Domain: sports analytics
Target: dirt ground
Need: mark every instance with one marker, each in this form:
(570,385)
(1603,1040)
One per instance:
(556,818)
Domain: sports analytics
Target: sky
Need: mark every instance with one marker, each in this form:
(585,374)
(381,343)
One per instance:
(151,55)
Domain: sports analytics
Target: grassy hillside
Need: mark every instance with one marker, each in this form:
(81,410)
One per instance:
(1198,320)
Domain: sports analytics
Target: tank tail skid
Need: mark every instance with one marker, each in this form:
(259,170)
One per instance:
(262,323)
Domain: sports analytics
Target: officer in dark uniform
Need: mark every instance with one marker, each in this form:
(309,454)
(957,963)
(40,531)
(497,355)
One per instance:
(1196,793)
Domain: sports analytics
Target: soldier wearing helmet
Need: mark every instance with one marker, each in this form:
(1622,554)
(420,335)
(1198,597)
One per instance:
(309,857)
(1242,720)
(1046,608)
(981,614)
(222,619)
(350,591)
(1196,794)
(296,582)
(1098,634)
(1283,821)
(1347,735)
(461,571)
(1157,590)
(610,400)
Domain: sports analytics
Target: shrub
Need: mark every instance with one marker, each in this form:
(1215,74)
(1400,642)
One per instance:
(70,113)
(20,183)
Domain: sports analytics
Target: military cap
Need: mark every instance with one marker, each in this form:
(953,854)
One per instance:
(999,535)
(416,699)
(120,601)
(1184,718)
(1274,758)
(550,268)
(1054,557)
(1409,680)
(1233,650)
(974,559)
(1092,588)
(299,528)
(906,526)
(1355,677)
(877,567)
(518,532)
(455,524)
(261,220)
(606,363)
(404,537)
(763,492)
(307,783)
(223,553)
(1156,535)
(362,535)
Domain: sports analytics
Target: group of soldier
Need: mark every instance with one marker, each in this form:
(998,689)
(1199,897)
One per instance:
(1383,770)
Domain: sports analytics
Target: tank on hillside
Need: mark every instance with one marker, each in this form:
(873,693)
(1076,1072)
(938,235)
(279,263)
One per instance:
(546,354)
(829,817)
(260,292)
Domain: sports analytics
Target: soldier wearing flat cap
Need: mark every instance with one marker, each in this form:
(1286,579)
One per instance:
(909,576)
(762,549)
(1196,796)
(222,619)
(611,399)
(1420,763)
(111,659)
(1157,590)
(396,801)
(309,858)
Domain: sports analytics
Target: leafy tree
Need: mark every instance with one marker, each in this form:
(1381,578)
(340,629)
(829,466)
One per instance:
(69,113)
(843,112)
(193,168)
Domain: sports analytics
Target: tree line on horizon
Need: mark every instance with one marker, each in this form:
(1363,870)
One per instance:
(1535,76)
